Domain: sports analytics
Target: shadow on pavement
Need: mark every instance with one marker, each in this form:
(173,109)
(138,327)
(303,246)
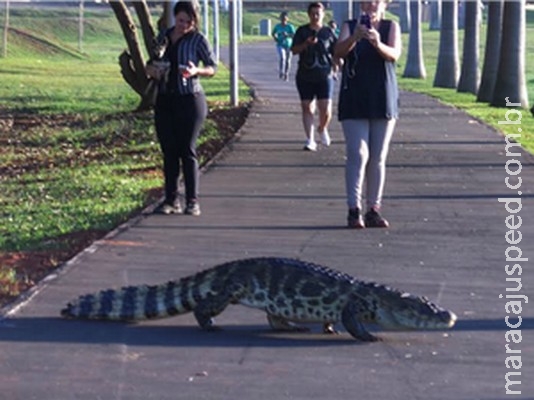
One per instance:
(57,330)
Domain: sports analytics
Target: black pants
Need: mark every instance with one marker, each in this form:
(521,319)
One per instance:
(179,120)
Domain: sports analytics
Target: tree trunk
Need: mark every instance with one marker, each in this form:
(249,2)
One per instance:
(415,66)
(6,31)
(356,10)
(491,54)
(404,15)
(340,10)
(510,85)
(131,62)
(448,64)
(149,36)
(470,76)
(435,15)
(461,13)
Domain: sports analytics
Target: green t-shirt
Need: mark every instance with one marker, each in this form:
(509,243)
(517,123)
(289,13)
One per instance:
(283,35)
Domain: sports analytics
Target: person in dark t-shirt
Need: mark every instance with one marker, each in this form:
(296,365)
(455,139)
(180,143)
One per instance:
(314,43)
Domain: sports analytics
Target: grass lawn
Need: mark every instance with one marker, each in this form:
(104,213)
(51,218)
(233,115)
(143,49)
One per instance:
(74,160)
(465,101)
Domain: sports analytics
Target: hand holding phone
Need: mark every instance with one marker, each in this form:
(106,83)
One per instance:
(365,21)
(184,72)
(312,39)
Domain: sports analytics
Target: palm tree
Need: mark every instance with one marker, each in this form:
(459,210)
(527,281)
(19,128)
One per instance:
(415,66)
(404,15)
(461,13)
(356,9)
(510,86)
(448,63)
(470,76)
(6,31)
(491,54)
(435,15)
(340,10)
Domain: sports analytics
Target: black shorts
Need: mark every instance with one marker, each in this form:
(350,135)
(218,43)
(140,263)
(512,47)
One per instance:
(322,90)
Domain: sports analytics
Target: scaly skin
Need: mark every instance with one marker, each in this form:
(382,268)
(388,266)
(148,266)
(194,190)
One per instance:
(288,290)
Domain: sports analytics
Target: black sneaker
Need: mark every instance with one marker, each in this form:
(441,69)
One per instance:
(354,219)
(192,208)
(374,220)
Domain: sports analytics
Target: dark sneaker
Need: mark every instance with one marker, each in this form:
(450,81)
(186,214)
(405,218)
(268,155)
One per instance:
(166,209)
(374,220)
(354,219)
(192,208)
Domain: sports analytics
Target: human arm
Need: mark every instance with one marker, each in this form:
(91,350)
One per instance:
(195,70)
(301,43)
(204,54)
(299,48)
(274,33)
(391,50)
(292,31)
(346,41)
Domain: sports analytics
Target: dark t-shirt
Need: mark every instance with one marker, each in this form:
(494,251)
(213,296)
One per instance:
(315,62)
(369,84)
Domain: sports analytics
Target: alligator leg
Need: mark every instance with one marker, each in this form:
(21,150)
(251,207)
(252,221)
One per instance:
(282,324)
(352,324)
(213,305)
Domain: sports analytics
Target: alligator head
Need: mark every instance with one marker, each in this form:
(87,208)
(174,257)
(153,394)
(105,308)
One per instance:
(394,309)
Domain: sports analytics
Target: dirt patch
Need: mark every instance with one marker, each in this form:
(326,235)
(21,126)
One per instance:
(19,271)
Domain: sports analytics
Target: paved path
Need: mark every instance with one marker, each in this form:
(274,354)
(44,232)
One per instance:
(268,197)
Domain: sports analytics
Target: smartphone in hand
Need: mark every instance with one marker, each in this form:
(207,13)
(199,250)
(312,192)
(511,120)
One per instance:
(365,20)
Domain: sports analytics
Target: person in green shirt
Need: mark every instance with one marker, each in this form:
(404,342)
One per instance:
(283,34)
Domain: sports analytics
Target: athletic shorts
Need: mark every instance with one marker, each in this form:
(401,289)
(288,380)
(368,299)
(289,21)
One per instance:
(322,90)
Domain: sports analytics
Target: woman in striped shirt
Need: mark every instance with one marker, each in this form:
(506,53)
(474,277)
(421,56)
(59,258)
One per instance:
(181,107)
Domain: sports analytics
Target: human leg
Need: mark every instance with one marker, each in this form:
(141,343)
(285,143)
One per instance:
(165,122)
(356,132)
(287,66)
(307,103)
(281,60)
(194,111)
(381,132)
(324,106)
(308,111)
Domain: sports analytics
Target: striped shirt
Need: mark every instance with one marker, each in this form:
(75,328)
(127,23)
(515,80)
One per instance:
(191,47)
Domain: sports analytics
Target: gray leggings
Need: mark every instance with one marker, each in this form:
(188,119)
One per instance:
(367,144)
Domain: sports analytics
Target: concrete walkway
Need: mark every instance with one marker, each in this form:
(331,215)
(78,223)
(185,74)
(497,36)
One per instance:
(264,197)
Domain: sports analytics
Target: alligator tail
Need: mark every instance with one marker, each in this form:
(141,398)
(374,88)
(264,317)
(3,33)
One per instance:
(133,303)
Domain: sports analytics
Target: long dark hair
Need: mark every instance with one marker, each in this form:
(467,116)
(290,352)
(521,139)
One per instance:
(190,8)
